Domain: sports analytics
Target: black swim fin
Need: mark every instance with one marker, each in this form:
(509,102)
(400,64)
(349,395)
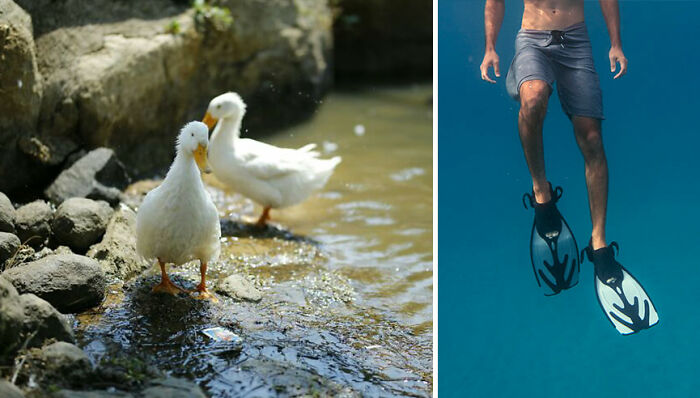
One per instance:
(620,295)
(553,250)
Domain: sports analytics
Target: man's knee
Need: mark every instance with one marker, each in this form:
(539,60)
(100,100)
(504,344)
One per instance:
(589,136)
(534,95)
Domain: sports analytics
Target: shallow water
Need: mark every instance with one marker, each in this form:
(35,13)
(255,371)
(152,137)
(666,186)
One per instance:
(346,276)
(374,217)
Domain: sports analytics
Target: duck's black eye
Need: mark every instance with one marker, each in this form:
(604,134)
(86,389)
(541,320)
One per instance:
(192,134)
(218,106)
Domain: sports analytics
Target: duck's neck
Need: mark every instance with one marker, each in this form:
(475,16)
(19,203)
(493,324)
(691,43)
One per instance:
(226,133)
(185,169)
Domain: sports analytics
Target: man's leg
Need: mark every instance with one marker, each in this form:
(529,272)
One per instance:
(534,95)
(590,141)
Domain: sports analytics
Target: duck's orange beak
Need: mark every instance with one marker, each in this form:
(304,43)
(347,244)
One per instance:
(209,120)
(200,156)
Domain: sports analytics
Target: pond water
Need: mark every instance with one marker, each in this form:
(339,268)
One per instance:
(346,276)
(374,217)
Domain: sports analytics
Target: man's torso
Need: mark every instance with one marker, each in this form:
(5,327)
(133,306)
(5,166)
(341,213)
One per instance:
(551,14)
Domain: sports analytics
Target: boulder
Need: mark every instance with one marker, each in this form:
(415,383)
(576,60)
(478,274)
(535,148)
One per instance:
(9,390)
(21,88)
(45,320)
(9,244)
(80,222)
(172,388)
(117,251)
(7,214)
(22,315)
(33,223)
(11,320)
(65,359)
(70,282)
(98,174)
(238,287)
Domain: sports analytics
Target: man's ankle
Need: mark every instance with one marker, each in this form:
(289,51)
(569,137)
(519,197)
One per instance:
(597,242)
(542,193)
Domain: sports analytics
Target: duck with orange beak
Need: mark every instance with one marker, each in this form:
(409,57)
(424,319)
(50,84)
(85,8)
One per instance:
(177,221)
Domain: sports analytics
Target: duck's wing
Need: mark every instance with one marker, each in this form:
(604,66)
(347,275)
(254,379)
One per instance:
(266,162)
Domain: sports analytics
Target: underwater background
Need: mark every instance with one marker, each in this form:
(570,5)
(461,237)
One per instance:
(498,334)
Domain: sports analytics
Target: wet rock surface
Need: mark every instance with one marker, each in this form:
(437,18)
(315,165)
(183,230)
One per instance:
(172,387)
(7,214)
(69,282)
(79,223)
(117,250)
(9,245)
(315,344)
(33,223)
(97,175)
(238,287)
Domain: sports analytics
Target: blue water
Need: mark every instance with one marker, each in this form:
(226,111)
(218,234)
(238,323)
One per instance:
(498,335)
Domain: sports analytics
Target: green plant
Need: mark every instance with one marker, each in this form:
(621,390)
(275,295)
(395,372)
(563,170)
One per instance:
(173,27)
(219,17)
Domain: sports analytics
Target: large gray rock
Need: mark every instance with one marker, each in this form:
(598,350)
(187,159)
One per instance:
(69,282)
(65,358)
(238,287)
(117,251)
(33,223)
(9,390)
(11,319)
(21,88)
(172,388)
(45,320)
(7,214)
(98,174)
(9,244)
(79,223)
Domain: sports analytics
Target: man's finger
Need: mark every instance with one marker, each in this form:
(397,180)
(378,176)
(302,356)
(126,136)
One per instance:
(485,74)
(623,68)
(612,64)
(496,69)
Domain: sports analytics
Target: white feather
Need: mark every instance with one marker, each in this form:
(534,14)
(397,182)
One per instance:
(272,176)
(177,221)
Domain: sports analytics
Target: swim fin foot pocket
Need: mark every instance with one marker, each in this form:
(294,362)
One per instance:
(553,250)
(621,297)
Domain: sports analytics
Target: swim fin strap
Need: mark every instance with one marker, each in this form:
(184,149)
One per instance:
(621,297)
(553,250)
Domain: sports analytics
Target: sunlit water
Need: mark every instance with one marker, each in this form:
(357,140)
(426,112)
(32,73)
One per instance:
(374,217)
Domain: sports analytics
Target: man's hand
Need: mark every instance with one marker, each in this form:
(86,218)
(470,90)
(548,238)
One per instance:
(491,60)
(617,56)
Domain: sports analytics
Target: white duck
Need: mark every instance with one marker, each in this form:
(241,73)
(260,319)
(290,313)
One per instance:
(273,177)
(177,221)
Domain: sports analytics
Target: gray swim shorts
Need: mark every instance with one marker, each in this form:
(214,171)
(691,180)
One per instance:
(562,56)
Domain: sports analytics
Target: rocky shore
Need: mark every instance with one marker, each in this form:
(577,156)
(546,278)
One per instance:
(70,278)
